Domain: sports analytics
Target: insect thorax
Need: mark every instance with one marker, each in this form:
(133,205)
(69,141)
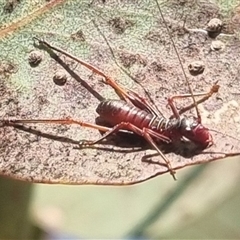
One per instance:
(177,128)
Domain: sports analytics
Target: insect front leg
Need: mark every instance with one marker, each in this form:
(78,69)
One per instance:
(206,96)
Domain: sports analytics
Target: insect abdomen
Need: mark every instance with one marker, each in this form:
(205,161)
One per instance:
(117,111)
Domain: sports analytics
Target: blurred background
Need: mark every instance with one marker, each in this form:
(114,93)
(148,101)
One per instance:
(202,203)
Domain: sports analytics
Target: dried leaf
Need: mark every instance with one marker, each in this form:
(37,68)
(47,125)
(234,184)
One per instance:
(50,153)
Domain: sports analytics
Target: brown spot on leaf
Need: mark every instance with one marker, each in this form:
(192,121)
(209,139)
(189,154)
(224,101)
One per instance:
(34,58)
(217,45)
(129,59)
(119,24)
(78,36)
(155,36)
(196,67)
(10,5)
(60,77)
(7,68)
(214,27)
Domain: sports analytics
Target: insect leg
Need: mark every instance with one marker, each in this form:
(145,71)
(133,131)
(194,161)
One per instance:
(123,93)
(108,131)
(66,121)
(119,90)
(206,96)
(145,132)
(125,126)
(132,96)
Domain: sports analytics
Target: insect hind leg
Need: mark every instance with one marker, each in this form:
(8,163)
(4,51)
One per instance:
(66,121)
(124,94)
(145,132)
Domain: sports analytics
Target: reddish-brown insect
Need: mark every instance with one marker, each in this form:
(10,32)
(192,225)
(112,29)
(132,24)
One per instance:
(135,114)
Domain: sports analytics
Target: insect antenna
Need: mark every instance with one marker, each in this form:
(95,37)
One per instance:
(224,134)
(179,59)
(125,71)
